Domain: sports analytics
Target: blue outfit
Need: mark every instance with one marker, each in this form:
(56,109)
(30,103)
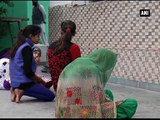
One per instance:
(19,78)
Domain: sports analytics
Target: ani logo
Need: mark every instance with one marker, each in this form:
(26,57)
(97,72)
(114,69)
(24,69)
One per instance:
(144,13)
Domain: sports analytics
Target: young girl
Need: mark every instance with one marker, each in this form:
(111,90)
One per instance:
(24,81)
(37,54)
(63,51)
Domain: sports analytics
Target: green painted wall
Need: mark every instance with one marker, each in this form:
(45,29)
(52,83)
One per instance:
(21,9)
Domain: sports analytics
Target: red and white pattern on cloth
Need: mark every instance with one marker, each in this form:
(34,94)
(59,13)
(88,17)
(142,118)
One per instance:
(83,100)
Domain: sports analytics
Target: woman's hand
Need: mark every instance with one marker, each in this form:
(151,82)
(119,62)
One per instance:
(119,102)
(47,84)
(43,80)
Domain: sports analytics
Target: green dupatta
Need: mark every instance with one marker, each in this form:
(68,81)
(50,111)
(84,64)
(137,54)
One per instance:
(80,91)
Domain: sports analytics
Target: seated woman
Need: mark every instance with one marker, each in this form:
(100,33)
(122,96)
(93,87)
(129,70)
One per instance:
(4,69)
(62,51)
(81,91)
(22,67)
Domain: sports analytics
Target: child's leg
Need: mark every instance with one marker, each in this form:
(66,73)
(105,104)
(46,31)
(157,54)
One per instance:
(108,92)
(127,108)
(40,92)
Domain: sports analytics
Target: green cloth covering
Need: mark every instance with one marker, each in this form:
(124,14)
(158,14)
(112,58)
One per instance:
(81,91)
(104,60)
(127,109)
(108,92)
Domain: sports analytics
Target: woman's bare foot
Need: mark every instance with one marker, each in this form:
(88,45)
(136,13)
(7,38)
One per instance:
(13,96)
(19,94)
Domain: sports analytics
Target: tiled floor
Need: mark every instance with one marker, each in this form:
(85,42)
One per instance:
(148,103)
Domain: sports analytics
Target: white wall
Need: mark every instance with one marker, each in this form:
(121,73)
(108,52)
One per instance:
(55,3)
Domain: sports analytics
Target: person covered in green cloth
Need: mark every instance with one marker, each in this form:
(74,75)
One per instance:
(81,91)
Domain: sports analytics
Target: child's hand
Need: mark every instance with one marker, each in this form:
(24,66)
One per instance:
(48,82)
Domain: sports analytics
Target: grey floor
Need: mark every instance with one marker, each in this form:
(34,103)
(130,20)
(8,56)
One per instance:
(148,103)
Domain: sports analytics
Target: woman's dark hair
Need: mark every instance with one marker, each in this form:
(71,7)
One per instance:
(22,35)
(34,2)
(68,29)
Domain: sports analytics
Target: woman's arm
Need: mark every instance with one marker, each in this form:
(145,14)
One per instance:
(27,58)
(75,51)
